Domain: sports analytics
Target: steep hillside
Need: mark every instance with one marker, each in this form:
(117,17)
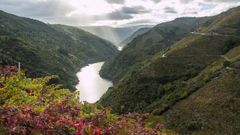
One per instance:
(145,46)
(115,35)
(213,109)
(171,75)
(134,35)
(49,49)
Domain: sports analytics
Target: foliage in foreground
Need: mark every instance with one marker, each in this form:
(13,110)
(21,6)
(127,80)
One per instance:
(31,106)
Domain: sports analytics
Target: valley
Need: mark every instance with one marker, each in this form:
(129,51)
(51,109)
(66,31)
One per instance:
(118,36)
(179,77)
(45,49)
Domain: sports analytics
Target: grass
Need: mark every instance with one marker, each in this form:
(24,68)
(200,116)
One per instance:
(213,109)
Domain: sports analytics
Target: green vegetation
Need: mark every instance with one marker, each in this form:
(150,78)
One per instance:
(165,82)
(145,46)
(46,49)
(213,109)
(31,106)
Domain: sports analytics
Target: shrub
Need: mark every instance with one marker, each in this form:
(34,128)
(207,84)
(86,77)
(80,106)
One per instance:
(31,106)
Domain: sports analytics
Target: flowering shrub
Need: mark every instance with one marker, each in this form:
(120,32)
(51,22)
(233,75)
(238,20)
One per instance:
(6,71)
(30,106)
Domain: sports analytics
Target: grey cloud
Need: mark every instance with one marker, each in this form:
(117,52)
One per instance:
(36,9)
(156,1)
(55,11)
(207,6)
(222,1)
(49,8)
(127,13)
(186,1)
(51,11)
(170,10)
(116,1)
(118,15)
(134,10)
(77,19)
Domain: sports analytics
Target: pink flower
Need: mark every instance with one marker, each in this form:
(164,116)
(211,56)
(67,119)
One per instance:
(98,132)
(80,126)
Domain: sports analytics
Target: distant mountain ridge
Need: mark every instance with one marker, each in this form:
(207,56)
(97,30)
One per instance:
(114,35)
(45,49)
(134,35)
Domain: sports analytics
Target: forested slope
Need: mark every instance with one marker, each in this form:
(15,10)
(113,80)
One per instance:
(194,84)
(145,46)
(45,49)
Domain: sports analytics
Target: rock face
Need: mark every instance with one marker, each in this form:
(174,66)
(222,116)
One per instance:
(49,49)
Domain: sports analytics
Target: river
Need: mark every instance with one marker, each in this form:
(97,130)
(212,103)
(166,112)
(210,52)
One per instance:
(91,85)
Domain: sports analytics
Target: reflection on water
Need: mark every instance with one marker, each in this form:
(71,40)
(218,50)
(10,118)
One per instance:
(91,85)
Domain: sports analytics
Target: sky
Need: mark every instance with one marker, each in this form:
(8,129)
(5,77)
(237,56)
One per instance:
(116,13)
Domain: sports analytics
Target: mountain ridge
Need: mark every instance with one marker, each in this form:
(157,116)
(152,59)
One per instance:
(163,83)
(146,45)
(126,41)
(68,47)
(112,34)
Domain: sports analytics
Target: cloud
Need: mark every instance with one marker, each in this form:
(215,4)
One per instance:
(49,8)
(115,12)
(186,1)
(116,1)
(127,13)
(170,10)
(156,1)
(206,6)
(226,1)
(118,15)
(37,9)
(134,10)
